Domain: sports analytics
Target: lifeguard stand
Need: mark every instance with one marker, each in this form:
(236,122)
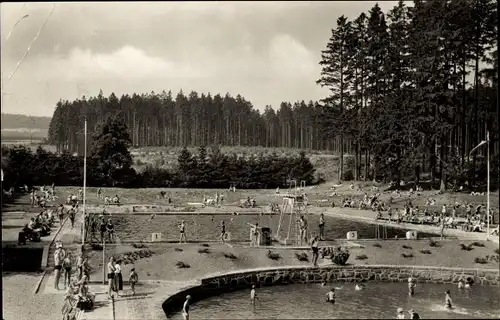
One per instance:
(294,205)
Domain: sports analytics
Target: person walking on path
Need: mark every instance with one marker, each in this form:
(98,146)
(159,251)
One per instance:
(118,278)
(60,214)
(72,214)
(59,256)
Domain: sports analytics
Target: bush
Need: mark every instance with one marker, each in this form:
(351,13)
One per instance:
(178,249)
(361,257)
(230,256)
(407,255)
(96,246)
(206,245)
(302,256)
(480,260)
(204,250)
(433,243)
(273,255)
(407,247)
(425,251)
(139,245)
(377,245)
(466,247)
(182,265)
(348,175)
(340,256)
(477,244)
(497,251)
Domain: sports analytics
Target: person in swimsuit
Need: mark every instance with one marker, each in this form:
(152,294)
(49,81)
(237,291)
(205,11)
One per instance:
(315,250)
(330,295)
(413,314)
(322,227)
(133,279)
(60,213)
(111,276)
(253,295)
(460,284)
(447,300)
(302,229)
(185,308)
(411,286)
(223,231)
(182,230)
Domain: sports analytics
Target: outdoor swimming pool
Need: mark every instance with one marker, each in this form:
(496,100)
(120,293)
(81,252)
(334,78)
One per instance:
(377,301)
(203,227)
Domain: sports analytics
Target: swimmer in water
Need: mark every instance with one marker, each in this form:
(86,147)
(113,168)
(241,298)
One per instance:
(447,300)
(359,287)
(330,295)
(460,284)
(323,283)
(401,314)
(411,286)
(253,295)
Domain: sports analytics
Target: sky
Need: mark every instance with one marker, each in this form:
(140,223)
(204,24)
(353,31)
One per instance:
(266,51)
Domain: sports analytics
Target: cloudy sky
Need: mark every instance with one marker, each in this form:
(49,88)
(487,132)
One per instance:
(266,51)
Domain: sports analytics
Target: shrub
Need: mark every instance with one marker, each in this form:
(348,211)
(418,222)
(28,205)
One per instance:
(206,245)
(302,256)
(139,245)
(178,249)
(433,243)
(407,255)
(273,255)
(377,245)
(361,257)
(466,247)
(425,251)
(230,256)
(480,260)
(477,244)
(497,251)
(348,175)
(407,247)
(204,250)
(182,265)
(340,256)
(96,246)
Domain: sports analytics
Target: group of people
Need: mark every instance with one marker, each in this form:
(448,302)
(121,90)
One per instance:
(115,278)
(96,224)
(47,195)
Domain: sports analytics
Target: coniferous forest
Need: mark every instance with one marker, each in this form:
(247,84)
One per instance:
(409,94)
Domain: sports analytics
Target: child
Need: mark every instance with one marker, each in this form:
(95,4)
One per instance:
(411,286)
(447,300)
(133,279)
(401,314)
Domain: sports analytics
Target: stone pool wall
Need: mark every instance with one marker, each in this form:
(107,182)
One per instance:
(227,282)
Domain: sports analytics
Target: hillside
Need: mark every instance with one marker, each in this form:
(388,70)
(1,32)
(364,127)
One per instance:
(20,121)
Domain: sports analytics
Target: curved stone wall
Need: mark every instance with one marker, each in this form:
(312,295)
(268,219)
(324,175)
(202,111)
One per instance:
(241,279)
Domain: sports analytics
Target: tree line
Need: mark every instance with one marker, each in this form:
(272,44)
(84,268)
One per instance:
(110,164)
(399,91)
(193,120)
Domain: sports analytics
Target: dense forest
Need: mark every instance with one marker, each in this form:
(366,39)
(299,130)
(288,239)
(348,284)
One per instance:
(110,164)
(401,98)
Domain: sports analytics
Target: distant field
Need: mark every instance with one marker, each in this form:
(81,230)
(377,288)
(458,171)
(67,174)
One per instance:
(326,164)
(23,134)
(15,121)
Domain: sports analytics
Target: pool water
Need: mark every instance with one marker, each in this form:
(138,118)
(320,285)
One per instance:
(377,301)
(207,227)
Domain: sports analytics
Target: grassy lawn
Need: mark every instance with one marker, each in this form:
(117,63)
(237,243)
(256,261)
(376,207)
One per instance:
(217,258)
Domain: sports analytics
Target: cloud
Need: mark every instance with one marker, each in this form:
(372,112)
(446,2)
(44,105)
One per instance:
(125,63)
(289,57)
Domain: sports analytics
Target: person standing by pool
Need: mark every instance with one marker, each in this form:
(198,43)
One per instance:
(447,300)
(253,295)
(322,227)
(223,231)
(67,265)
(182,230)
(441,227)
(315,250)
(72,213)
(401,314)
(118,278)
(111,276)
(303,229)
(60,213)
(59,256)
(411,286)
(185,308)
(133,279)
(111,231)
